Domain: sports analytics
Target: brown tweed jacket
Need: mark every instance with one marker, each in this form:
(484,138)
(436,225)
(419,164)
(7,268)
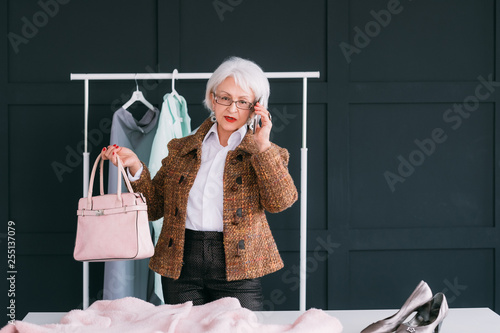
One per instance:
(253,182)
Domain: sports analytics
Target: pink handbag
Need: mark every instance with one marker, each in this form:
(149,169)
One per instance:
(112,227)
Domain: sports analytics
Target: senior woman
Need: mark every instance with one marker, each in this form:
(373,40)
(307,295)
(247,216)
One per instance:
(212,191)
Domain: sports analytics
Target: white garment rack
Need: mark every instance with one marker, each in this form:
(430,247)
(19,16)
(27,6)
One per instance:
(179,76)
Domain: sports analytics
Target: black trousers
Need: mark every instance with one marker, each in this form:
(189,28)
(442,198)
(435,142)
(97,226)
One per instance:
(203,275)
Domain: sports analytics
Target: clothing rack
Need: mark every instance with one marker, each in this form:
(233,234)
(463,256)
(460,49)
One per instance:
(175,75)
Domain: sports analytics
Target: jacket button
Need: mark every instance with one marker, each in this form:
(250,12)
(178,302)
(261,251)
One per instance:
(239,180)
(176,211)
(241,247)
(239,212)
(181,179)
(170,242)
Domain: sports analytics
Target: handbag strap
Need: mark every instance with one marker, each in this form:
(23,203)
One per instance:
(125,177)
(111,211)
(121,173)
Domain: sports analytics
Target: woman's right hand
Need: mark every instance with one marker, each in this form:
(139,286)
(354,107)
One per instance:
(128,157)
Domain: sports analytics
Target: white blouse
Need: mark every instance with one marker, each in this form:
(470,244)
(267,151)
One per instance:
(205,201)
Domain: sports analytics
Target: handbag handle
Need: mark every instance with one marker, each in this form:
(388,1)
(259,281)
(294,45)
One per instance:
(121,173)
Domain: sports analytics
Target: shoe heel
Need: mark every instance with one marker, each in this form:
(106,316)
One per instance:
(417,301)
(439,310)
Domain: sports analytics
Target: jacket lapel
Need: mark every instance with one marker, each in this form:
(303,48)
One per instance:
(193,142)
(248,144)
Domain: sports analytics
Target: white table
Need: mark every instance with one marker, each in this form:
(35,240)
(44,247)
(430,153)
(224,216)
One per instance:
(467,320)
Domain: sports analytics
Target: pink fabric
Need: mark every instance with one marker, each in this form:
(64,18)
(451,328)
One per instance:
(133,315)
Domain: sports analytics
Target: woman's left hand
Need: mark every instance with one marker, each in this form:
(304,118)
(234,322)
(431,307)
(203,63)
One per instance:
(262,132)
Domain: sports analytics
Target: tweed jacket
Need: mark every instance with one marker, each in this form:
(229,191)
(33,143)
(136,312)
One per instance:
(253,182)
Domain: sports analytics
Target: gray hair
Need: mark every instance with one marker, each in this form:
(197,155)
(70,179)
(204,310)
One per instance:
(247,74)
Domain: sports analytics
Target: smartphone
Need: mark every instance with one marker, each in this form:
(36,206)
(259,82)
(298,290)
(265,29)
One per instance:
(256,121)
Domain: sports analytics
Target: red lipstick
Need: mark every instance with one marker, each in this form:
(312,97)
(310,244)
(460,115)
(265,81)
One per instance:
(230,119)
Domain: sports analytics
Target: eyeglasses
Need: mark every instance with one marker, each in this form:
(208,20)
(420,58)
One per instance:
(226,101)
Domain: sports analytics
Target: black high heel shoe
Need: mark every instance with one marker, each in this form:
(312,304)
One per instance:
(438,309)
(418,301)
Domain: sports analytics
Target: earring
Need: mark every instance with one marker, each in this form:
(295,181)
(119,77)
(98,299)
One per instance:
(212,117)
(250,123)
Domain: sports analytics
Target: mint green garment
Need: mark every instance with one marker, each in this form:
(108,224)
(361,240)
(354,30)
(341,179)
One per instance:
(174,123)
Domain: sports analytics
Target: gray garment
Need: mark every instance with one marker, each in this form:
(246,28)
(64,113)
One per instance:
(130,278)
(126,131)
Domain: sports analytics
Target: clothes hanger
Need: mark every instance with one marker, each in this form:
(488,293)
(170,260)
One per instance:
(137,96)
(174,92)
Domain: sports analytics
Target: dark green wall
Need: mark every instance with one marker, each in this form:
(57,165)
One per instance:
(402,135)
